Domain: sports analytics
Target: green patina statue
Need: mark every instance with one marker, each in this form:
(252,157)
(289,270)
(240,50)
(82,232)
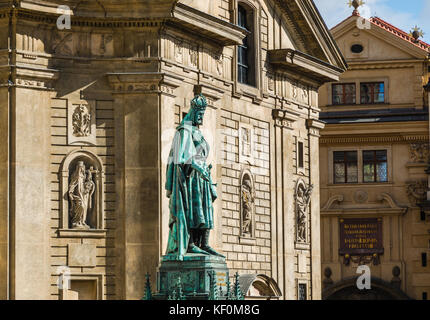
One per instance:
(189,187)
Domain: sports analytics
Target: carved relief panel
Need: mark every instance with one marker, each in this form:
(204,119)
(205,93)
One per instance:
(302,198)
(81,127)
(417,191)
(419,152)
(246,143)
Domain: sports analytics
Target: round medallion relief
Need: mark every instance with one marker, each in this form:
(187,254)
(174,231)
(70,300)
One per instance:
(360,196)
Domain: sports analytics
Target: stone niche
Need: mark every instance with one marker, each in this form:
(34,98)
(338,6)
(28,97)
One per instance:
(82,195)
(247,208)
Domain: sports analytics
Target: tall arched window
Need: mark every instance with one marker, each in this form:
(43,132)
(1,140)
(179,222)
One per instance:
(246,52)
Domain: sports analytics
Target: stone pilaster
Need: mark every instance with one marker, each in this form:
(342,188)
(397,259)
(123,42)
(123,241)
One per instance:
(138,110)
(314,127)
(283,228)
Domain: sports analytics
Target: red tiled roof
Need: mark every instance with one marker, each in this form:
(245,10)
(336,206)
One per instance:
(400,33)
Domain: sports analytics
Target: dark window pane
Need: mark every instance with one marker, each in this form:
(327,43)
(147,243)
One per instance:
(302,291)
(345,167)
(343,93)
(351,156)
(301,157)
(352,171)
(339,173)
(339,156)
(368,173)
(381,155)
(381,172)
(368,156)
(373,92)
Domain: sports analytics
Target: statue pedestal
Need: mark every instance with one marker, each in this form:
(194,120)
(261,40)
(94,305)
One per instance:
(193,274)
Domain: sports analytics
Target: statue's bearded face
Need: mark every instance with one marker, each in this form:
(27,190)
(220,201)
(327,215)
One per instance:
(198,119)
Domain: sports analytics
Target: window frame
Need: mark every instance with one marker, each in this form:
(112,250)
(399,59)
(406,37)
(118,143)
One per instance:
(375,162)
(359,149)
(373,94)
(344,84)
(358,83)
(345,163)
(253,47)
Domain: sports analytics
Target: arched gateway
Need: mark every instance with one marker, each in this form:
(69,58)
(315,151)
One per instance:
(347,290)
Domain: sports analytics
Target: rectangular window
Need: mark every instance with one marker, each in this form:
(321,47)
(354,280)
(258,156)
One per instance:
(375,166)
(422,215)
(302,291)
(300,155)
(343,93)
(424,259)
(372,92)
(345,167)
(424,295)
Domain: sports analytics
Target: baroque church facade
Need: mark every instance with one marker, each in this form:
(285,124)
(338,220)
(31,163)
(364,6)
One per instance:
(88,114)
(374,158)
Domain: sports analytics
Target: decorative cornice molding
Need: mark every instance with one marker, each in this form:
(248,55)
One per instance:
(309,66)
(403,138)
(143,82)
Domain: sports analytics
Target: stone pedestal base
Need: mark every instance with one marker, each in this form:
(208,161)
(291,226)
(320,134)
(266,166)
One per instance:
(195,272)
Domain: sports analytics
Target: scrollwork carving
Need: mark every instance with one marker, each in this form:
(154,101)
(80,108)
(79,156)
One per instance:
(417,191)
(419,152)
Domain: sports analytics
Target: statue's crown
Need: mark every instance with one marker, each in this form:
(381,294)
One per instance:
(199,103)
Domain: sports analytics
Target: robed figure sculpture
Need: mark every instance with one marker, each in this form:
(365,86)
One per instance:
(189,187)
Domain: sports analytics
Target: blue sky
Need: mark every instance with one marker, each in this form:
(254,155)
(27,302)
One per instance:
(400,13)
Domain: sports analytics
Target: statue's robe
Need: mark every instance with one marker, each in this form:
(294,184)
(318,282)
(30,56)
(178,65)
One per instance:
(191,195)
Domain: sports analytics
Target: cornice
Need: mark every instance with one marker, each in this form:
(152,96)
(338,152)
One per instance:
(309,66)
(372,139)
(207,25)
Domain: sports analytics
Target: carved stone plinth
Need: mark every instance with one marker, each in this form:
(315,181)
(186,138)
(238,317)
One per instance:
(195,272)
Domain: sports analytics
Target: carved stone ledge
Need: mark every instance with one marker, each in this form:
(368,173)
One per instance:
(314,127)
(248,241)
(29,77)
(78,233)
(143,82)
(284,118)
(207,25)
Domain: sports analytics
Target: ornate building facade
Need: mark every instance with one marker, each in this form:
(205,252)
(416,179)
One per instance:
(88,112)
(373,158)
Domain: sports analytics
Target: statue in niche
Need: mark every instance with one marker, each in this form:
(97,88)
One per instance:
(81,190)
(303,198)
(81,121)
(189,187)
(247,204)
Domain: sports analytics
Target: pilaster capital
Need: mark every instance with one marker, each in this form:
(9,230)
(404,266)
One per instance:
(314,126)
(284,118)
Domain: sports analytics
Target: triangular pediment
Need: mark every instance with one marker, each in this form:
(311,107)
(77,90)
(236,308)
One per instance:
(309,32)
(378,43)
